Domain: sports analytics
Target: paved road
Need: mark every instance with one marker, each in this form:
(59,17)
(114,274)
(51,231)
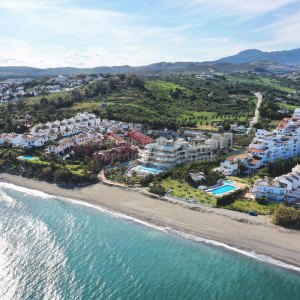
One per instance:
(256,115)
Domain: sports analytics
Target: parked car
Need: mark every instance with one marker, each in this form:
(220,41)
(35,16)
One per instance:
(252,213)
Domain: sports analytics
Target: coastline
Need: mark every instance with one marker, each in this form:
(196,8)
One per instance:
(233,229)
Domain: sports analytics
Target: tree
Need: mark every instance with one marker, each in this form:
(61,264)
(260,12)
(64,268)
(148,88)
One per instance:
(156,188)
(44,102)
(93,165)
(287,216)
(62,175)
(146,180)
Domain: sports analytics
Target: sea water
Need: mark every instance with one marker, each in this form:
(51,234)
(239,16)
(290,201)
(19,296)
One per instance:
(53,248)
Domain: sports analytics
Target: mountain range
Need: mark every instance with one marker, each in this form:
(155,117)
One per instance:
(248,60)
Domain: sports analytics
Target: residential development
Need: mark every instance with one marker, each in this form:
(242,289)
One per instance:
(268,146)
(165,154)
(285,187)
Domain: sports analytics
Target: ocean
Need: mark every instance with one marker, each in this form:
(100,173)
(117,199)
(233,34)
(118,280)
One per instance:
(54,248)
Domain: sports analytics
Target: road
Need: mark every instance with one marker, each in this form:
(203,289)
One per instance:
(256,115)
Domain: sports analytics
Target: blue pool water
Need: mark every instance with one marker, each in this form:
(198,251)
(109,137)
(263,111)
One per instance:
(223,189)
(51,248)
(150,170)
(229,182)
(28,157)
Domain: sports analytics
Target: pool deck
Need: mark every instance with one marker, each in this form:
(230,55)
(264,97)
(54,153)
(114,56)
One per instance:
(235,184)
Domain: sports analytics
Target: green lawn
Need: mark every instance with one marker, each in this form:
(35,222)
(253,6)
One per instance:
(73,168)
(184,190)
(245,206)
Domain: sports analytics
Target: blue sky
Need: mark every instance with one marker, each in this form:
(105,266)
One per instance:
(88,33)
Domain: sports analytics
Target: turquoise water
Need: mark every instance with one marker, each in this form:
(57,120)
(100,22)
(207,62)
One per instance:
(28,157)
(223,189)
(151,170)
(52,249)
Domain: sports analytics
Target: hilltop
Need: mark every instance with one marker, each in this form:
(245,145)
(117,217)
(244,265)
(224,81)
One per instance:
(245,61)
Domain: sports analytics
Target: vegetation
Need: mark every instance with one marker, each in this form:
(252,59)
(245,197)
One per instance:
(184,190)
(156,187)
(117,174)
(266,208)
(169,102)
(287,216)
(48,168)
(230,198)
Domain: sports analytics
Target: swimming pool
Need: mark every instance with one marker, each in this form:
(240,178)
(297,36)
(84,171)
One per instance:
(223,189)
(28,157)
(150,170)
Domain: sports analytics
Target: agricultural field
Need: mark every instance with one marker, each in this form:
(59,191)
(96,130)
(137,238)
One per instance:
(263,81)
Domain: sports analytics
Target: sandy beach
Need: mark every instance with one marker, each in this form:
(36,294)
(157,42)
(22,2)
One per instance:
(232,228)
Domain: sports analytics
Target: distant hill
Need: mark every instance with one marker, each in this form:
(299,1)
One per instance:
(285,58)
(248,60)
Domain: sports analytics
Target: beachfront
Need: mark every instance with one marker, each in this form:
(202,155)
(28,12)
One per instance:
(232,228)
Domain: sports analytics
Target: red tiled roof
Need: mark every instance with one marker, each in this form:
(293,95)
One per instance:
(230,158)
(283,123)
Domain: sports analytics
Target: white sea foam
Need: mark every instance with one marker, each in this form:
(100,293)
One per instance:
(251,254)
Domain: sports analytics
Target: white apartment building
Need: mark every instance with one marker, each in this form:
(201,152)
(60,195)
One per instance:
(231,166)
(165,154)
(67,143)
(281,143)
(283,188)
(67,126)
(24,140)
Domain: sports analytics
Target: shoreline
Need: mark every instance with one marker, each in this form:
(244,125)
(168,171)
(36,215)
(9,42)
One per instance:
(258,237)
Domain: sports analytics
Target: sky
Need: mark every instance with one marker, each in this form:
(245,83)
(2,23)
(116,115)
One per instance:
(90,33)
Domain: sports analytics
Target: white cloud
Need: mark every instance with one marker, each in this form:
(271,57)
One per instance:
(239,7)
(29,5)
(58,33)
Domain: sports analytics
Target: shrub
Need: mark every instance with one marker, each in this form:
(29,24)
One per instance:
(287,216)
(146,180)
(230,198)
(45,174)
(262,201)
(62,175)
(157,188)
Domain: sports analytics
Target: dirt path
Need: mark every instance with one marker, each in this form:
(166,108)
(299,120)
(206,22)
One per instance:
(258,104)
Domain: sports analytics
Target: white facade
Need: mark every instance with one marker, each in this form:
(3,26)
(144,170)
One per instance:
(281,143)
(285,187)
(67,143)
(231,166)
(165,154)
(67,126)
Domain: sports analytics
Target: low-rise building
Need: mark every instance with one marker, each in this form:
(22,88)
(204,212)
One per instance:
(233,164)
(283,188)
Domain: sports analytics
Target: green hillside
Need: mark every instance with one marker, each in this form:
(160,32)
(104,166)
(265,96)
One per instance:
(170,102)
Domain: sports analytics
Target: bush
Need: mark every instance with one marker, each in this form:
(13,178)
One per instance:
(230,198)
(62,175)
(287,216)
(157,188)
(146,180)
(46,173)
(262,201)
